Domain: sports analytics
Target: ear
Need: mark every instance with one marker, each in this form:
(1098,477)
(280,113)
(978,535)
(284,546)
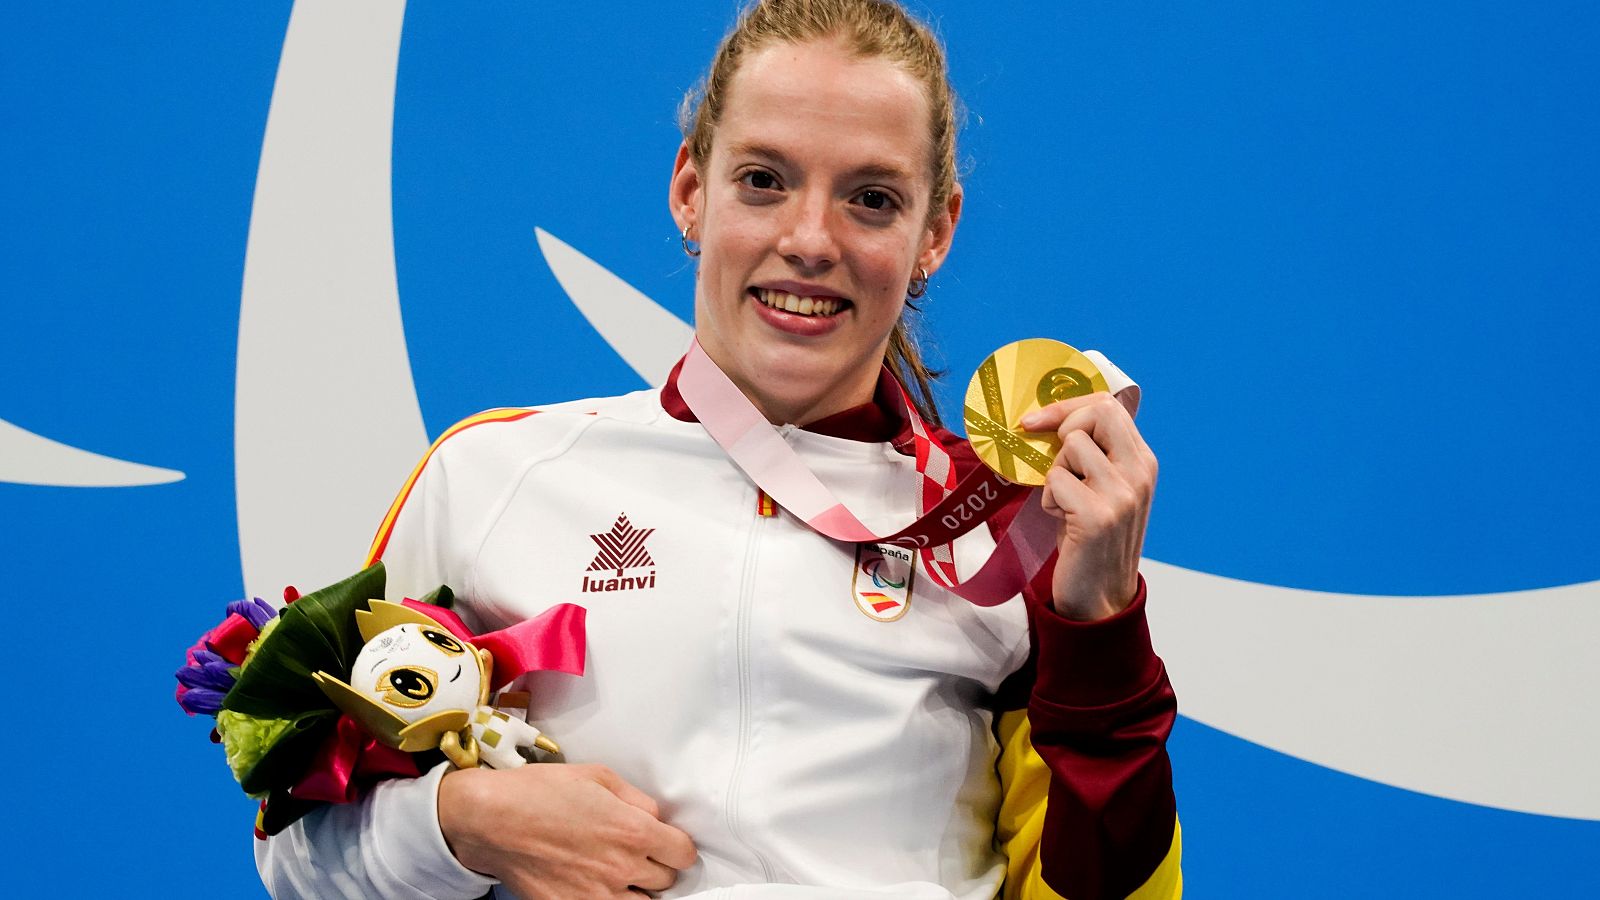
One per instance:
(941,233)
(686,191)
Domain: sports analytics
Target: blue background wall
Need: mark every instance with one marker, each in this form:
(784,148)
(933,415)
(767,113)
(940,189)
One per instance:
(1352,252)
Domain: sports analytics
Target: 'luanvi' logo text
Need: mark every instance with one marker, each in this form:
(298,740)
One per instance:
(621,548)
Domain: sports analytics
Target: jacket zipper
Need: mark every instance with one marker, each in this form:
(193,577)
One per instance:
(747,585)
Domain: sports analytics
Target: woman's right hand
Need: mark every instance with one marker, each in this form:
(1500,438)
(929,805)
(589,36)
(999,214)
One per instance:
(554,832)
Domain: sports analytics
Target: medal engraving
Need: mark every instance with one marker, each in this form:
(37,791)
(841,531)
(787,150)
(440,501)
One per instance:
(1014,381)
(1063,384)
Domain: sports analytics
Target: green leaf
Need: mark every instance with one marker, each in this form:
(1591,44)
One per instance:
(286,761)
(316,633)
(441,597)
(333,608)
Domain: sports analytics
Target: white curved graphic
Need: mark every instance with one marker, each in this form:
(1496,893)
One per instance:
(326,419)
(647,336)
(1475,698)
(28,458)
(1485,698)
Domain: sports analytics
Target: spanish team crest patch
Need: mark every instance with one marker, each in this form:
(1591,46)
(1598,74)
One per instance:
(882,580)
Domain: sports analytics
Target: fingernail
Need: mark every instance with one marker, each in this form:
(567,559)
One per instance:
(1030,421)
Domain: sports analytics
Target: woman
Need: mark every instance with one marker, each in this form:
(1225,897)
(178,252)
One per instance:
(745,722)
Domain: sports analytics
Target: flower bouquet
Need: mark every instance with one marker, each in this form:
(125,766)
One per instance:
(300,729)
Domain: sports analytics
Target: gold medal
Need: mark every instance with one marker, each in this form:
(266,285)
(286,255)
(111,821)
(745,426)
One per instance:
(1014,381)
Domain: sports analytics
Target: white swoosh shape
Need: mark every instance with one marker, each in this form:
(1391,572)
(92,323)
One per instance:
(327,423)
(1468,698)
(1483,698)
(1473,698)
(28,458)
(647,336)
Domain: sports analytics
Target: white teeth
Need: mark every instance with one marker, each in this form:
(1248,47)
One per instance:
(805,306)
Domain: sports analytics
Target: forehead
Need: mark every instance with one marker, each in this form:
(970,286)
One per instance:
(820,104)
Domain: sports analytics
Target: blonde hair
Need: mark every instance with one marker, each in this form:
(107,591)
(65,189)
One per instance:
(872,29)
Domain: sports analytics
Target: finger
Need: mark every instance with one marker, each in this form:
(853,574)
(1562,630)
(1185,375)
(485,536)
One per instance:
(653,876)
(624,791)
(671,847)
(1065,494)
(1120,442)
(1087,460)
(1048,418)
(1108,423)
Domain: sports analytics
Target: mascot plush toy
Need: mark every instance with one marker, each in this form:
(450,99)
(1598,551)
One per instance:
(318,700)
(416,687)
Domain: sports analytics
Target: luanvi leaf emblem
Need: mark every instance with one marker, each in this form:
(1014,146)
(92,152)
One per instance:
(622,547)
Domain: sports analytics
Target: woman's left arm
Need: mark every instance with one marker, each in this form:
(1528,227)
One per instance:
(1088,808)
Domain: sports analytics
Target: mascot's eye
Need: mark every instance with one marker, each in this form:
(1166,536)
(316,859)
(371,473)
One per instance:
(407,686)
(443,641)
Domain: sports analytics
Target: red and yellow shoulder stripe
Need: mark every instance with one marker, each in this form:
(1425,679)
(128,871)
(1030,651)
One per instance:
(381,540)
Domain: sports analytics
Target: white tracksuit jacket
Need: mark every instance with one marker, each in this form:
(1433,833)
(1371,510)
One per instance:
(733,676)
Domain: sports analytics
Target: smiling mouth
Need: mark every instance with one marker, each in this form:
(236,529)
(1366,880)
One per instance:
(819,307)
(457,675)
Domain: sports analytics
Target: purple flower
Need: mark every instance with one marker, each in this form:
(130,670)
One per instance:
(203,682)
(208,670)
(215,674)
(201,700)
(256,610)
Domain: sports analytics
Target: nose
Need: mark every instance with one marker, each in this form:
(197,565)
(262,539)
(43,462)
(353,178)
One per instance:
(809,238)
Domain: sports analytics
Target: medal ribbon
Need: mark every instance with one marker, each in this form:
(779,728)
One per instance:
(945,509)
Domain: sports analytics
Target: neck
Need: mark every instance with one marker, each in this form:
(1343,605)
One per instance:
(788,403)
(797,399)
(803,411)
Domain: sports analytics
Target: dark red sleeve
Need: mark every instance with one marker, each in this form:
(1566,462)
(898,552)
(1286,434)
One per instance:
(1100,713)
(1100,709)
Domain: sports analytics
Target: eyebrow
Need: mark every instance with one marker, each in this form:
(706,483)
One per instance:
(870,170)
(378,663)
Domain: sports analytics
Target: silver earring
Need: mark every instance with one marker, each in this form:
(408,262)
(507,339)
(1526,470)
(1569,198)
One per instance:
(918,285)
(689,250)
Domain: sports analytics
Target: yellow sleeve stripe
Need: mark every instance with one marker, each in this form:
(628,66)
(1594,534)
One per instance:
(1024,786)
(1024,790)
(381,539)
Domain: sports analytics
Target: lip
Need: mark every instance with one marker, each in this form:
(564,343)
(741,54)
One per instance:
(794,323)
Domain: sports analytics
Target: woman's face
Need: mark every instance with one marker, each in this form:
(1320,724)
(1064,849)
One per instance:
(812,217)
